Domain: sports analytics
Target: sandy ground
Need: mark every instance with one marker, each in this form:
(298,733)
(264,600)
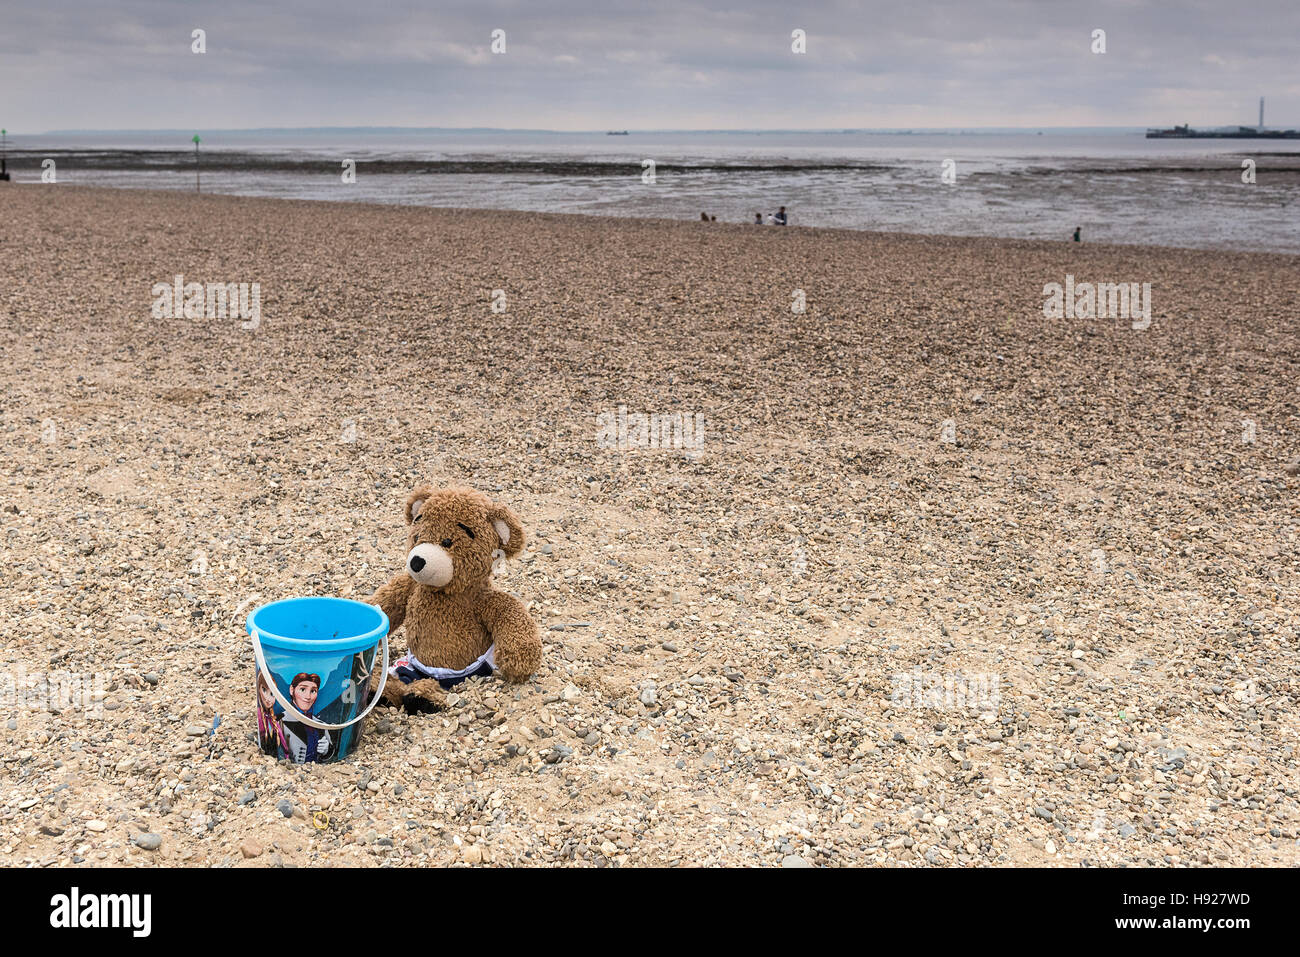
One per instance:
(1092,587)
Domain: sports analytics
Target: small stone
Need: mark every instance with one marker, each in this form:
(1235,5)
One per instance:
(12,724)
(248,797)
(149,842)
(557,754)
(794,860)
(195,730)
(96,826)
(570,692)
(1044,813)
(285,808)
(250,848)
(471,854)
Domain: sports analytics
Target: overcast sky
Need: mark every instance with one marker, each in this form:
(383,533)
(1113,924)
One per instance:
(657,64)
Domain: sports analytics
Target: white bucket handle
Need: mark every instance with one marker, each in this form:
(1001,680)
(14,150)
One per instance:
(291,710)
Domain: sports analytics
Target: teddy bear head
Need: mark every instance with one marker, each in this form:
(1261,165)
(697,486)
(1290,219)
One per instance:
(454,536)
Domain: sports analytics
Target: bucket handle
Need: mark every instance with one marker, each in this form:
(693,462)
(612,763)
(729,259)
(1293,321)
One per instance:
(291,710)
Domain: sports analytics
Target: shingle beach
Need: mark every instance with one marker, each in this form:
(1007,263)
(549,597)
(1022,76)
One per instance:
(946,582)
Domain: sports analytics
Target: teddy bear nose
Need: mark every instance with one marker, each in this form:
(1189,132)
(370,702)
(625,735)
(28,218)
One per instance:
(416,563)
(446,543)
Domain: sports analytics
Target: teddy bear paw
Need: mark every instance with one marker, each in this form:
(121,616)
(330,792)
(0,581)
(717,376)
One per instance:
(418,704)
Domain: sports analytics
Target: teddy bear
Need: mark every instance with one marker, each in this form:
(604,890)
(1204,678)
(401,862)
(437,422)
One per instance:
(457,625)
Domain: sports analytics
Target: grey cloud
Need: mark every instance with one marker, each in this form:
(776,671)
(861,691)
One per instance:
(576,65)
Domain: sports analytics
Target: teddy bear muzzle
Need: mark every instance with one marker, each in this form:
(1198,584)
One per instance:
(429,565)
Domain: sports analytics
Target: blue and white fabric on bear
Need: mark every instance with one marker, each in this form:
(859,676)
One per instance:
(408,668)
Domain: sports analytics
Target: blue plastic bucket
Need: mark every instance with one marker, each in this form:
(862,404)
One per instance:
(312,689)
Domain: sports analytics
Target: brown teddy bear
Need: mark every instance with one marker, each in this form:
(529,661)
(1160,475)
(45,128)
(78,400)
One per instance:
(457,625)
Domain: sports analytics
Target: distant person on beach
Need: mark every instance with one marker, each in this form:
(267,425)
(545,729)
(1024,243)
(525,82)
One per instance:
(780,216)
(1077,229)
(704,217)
(758,219)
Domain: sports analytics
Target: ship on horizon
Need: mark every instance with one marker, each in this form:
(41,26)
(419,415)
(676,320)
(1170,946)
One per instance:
(1185,132)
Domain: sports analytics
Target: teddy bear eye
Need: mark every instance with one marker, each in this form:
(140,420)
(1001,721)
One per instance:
(468,531)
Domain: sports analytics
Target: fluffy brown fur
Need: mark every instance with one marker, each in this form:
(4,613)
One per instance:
(449,626)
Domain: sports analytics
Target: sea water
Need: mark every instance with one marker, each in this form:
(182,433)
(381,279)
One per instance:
(1115,185)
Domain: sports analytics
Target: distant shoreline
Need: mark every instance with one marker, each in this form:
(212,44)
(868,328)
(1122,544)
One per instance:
(687,222)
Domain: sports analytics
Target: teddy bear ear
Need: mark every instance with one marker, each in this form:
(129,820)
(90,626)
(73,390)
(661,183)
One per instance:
(508,529)
(415,503)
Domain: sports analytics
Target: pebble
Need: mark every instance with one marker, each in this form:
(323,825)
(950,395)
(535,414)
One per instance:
(285,808)
(149,842)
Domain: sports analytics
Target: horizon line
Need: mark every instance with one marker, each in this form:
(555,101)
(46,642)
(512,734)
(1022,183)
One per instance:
(629,130)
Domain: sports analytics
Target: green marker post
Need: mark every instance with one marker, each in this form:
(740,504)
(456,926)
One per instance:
(197,187)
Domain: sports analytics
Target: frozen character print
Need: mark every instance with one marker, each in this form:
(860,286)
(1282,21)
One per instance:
(306,744)
(270,727)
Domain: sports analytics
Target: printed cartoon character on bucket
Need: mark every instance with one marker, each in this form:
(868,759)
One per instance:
(306,744)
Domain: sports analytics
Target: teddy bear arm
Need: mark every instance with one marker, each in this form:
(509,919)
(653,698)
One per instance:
(518,645)
(393,598)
